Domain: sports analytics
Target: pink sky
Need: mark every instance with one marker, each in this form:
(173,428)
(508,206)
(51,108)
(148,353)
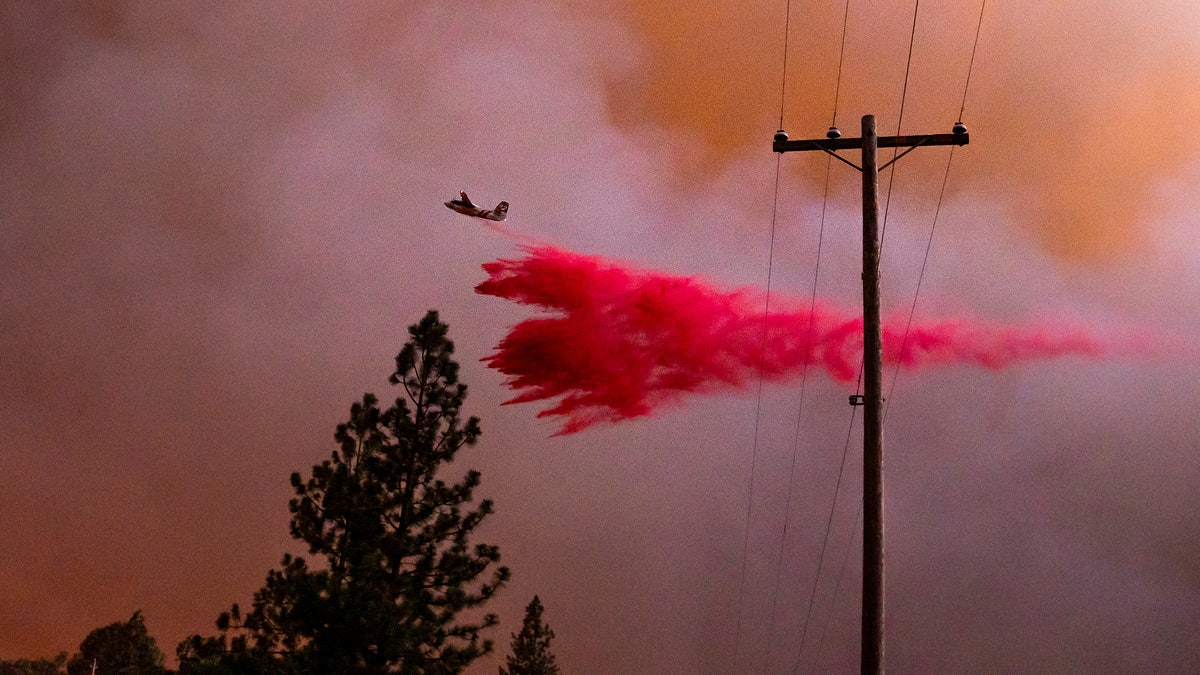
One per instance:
(218,222)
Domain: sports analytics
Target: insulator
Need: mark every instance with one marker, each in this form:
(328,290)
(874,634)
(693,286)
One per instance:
(960,128)
(780,136)
(833,133)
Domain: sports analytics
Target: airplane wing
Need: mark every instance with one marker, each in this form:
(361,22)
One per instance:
(462,197)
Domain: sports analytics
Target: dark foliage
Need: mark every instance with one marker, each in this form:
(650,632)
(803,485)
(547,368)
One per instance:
(55,666)
(531,647)
(399,586)
(121,648)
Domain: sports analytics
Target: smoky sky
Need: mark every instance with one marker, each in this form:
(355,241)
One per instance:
(217,222)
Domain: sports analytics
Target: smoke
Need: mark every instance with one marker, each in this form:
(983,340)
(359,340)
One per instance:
(626,342)
(220,218)
(1102,109)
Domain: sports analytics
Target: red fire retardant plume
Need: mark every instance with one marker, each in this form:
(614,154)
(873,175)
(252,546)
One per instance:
(622,342)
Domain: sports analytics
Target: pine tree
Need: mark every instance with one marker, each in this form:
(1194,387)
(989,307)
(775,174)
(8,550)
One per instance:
(123,647)
(531,647)
(397,568)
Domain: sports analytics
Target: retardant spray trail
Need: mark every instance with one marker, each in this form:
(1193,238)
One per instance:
(623,342)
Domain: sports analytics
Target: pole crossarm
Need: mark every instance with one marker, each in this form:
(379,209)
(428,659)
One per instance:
(830,144)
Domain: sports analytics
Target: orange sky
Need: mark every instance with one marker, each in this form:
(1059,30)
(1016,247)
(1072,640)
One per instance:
(1080,128)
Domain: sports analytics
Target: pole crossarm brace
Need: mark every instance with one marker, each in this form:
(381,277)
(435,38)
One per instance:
(831,145)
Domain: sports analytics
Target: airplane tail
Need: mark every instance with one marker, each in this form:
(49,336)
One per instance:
(501,210)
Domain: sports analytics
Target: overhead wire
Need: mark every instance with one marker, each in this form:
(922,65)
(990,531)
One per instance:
(762,350)
(825,540)
(920,278)
(787,509)
(838,585)
(971,64)
(858,385)
(812,309)
(887,205)
(891,180)
(787,18)
(757,418)
(937,210)
(837,88)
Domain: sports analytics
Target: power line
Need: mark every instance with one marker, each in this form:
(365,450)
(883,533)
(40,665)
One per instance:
(828,529)
(808,339)
(899,124)
(757,416)
(781,145)
(937,211)
(971,65)
(737,644)
(787,511)
(891,181)
(838,586)
(837,90)
(808,346)
(920,278)
(787,17)
(762,357)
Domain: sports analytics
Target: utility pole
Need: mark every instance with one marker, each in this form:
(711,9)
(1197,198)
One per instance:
(872,398)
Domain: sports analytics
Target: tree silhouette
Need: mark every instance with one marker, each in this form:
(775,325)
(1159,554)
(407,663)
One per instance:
(531,647)
(397,568)
(120,648)
(54,666)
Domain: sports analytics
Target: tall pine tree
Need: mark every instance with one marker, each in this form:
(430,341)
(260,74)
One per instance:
(531,647)
(397,570)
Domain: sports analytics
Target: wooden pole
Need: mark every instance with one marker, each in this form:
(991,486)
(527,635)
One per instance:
(872,398)
(872,597)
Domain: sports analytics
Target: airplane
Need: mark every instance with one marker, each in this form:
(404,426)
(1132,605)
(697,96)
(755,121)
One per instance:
(464,206)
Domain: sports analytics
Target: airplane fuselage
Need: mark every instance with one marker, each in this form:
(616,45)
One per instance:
(468,209)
